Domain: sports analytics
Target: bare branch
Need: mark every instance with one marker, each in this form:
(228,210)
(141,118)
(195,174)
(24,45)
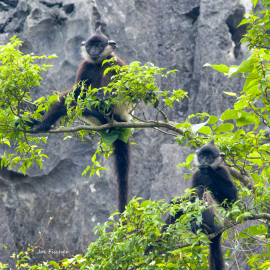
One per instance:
(232,224)
(166,119)
(147,124)
(167,133)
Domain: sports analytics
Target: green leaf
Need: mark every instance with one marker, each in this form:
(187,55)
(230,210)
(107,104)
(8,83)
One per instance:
(262,229)
(255,177)
(230,94)
(196,127)
(238,133)
(205,240)
(106,71)
(255,3)
(6,141)
(94,157)
(233,70)
(264,265)
(244,21)
(213,119)
(230,114)
(172,265)
(253,90)
(55,264)
(224,128)
(53,98)
(107,137)
(160,221)
(253,230)
(251,80)
(145,203)
(220,68)
(67,137)
(245,119)
(239,105)
(123,134)
(190,158)
(258,158)
(246,66)
(205,130)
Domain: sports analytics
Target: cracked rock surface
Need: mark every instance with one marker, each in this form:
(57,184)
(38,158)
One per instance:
(175,34)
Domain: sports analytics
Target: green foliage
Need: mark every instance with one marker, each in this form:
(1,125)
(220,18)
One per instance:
(132,85)
(18,74)
(123,243)
(257,30)
(103,149)
(118,133)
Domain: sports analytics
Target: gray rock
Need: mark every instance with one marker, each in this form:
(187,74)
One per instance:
(180,35)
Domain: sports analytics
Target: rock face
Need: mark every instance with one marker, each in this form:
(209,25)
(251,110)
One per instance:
(175,34)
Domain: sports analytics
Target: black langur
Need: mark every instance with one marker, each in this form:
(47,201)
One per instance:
(214,177)
(94,51)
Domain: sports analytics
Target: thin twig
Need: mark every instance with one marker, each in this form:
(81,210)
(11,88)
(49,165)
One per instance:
(166,119)
(168,133)
(235,260)
(44,231)
(65,242)
(35,245)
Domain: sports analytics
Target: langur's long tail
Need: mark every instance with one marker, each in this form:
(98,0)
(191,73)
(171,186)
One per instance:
(122,165)
(216,261)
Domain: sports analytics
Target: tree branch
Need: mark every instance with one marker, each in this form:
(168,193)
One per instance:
(246,180)
(232,224)
(147,124)
(213,235)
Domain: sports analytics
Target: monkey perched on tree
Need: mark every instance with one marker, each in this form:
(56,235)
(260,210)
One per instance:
(214,177)
(94,51)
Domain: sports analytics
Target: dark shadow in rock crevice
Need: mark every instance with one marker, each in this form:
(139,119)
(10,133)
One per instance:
(50,5)
(5,173)
(6,4)
(98,22)
(68,8)
(194,14)
(237,33)
(15,22)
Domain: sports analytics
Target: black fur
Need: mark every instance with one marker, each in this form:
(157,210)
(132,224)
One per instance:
(95,50)
(215,178)
(216,261)
(122,167)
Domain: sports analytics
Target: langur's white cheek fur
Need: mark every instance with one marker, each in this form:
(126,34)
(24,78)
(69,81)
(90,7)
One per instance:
(218,161)
(196,161)
(106,52)
(85,55)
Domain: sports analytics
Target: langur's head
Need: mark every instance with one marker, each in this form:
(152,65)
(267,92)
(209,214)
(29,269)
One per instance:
(209,154)
(97,48)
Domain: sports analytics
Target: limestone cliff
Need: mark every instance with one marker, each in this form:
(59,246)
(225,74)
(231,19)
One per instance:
(175,34)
